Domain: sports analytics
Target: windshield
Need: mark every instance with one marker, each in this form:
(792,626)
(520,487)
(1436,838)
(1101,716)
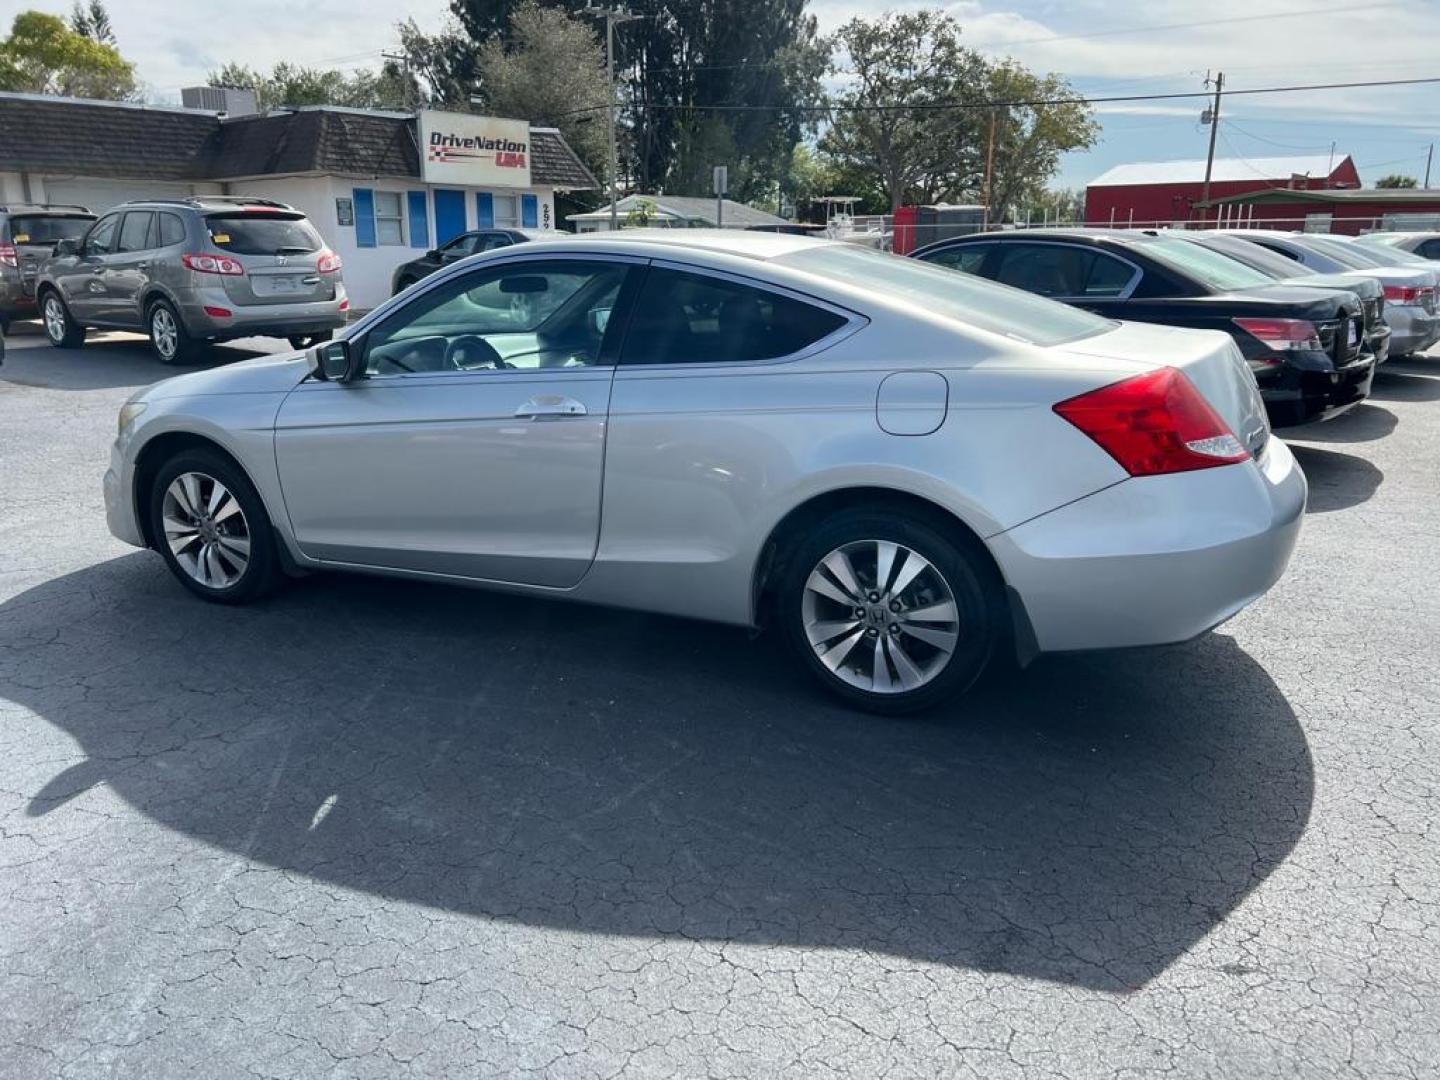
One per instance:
(1263,259)
(263,234)
(46,228)
(999,309)
(1213,268)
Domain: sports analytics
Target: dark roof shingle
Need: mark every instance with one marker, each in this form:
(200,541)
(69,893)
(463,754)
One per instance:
(106,139)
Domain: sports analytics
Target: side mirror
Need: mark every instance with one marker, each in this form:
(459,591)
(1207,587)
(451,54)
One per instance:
(334,361)
(67,247)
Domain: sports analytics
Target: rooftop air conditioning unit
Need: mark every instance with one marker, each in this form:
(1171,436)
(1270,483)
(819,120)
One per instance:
(226,100)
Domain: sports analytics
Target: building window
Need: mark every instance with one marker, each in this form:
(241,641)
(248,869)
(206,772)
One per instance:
(389,222)
(507,212)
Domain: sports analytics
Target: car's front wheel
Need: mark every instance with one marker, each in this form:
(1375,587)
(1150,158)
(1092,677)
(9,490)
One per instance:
(209,524)
(169,340)
(888,611)
(60,329)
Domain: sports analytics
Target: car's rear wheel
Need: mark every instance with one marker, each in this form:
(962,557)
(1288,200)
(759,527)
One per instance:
(169,340)
(210,526)
(304,341)
(889,612)
(60,329)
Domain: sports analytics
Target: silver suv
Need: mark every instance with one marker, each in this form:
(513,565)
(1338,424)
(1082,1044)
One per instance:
(185,271)
(28,234)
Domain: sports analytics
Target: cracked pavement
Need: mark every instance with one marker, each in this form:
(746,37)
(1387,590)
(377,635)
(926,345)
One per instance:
(378,829)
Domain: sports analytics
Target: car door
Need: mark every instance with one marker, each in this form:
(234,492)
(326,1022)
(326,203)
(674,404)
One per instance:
(81,278)
(474,444)
(126,270)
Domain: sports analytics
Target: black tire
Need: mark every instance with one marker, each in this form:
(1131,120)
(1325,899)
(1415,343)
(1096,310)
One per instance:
(304,341)
(175,346)
(61,330)
(263,570)
(961,568)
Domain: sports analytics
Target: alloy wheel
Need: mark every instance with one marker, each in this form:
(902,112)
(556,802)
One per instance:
(163,332)
(206,530)
(54,318)
(880,616)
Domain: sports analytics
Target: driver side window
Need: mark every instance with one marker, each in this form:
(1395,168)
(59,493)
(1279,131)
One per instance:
(525,315)
(101,238)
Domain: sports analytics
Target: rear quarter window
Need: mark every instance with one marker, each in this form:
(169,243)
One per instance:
(263,234)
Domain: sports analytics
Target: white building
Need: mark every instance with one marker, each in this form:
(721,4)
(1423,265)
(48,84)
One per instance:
(381,187)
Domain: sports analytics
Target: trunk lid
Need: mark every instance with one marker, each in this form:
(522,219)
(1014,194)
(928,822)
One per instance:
(1209,358)
(280,251)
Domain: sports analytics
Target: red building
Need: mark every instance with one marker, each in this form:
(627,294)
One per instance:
(1166,192)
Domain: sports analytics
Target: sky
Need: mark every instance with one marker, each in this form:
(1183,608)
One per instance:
(1103,48)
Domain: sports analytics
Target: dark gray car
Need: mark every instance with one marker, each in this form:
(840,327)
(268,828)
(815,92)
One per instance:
(185,271)
(28,235)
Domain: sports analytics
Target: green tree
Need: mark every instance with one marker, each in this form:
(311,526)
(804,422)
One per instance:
(292,85)
(44,56)
(922,115)
(549,70)
(1395,180)
(1029,139)
(92,21)
(890,125)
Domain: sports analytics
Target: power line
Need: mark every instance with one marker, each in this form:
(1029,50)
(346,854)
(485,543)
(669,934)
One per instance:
(1073,99)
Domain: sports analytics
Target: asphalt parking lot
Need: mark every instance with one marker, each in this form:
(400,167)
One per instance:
(375,829)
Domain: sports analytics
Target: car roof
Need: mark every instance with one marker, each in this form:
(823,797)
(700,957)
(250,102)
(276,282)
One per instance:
(207,204)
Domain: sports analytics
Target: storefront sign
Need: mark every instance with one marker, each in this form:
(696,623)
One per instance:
(458,148)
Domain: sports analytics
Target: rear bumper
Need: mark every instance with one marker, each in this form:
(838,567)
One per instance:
(260,320)
(1413,329)
(1155,560)
(1294,396)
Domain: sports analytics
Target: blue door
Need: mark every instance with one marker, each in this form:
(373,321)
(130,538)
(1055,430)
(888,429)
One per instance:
(449,215)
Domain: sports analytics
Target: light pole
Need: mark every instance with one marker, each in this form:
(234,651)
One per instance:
(612,17)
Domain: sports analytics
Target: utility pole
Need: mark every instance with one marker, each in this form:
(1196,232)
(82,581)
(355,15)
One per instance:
(1428,156)
(403,59)
(989,169)
(1214,128)
(613,17)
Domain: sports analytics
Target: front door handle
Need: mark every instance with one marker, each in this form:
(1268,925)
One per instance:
(550,407)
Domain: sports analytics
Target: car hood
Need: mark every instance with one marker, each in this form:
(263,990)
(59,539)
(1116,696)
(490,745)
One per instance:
(262,375)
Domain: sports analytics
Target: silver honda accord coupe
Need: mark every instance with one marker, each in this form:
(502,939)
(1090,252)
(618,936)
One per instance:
(903,470)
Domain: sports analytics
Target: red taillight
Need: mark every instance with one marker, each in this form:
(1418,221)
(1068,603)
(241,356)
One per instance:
(1155,423)
(345,304)
(1282,334)
(218,312)
(1404,294)
(213,264)
(8,256)
(327,263)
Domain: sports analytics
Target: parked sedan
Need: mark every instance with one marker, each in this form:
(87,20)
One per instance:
(1411,306)
(904,470)
(1279,268)
(1304,345)
(1424,244)
(469,243)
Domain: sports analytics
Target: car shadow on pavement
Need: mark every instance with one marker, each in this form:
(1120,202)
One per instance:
(1086,821)
(1337,481)
(106,361)
(1364,423)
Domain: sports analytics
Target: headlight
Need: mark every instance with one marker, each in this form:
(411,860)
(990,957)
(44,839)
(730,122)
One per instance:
(128,412)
